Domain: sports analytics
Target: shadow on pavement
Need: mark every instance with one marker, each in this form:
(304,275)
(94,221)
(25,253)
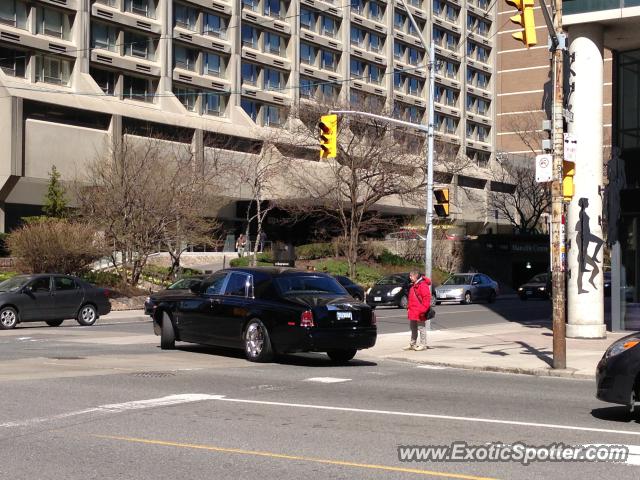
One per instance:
(618,414)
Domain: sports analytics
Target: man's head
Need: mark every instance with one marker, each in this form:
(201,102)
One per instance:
(414,276)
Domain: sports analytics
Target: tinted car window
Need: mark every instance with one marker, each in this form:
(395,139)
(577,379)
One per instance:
(184,284)
(64,283)
(344,280)
(213,285)
(458,280)
(238,285)
(393,280)
(296,284)
(540,278)
(40,285)
(13,284)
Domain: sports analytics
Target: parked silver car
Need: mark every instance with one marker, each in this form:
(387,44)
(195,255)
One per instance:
(467,288)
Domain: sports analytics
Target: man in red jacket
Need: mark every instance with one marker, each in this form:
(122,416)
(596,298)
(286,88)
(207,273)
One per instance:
(417,308)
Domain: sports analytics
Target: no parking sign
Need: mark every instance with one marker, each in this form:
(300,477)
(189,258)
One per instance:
(544,168)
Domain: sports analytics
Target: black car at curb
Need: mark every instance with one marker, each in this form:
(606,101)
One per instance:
(618,372)
(355,290)
(51,298)
(538,286)
(392,290)
(265,311)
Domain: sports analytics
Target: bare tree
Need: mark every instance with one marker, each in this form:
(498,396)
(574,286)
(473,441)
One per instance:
(376,162)
(147,194)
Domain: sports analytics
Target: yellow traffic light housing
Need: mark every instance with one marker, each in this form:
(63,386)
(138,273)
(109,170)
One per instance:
(525,18)
(328,136)
(568,172)
(442,199)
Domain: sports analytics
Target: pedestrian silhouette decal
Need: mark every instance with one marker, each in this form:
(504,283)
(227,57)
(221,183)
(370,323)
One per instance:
(584,237)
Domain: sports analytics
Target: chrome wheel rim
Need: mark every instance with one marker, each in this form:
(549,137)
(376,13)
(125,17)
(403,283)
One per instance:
(254,340)
(8,318)
(467,298)
(88,315)
(403,302)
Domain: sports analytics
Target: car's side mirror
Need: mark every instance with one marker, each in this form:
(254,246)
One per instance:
(475,282)
(27,289)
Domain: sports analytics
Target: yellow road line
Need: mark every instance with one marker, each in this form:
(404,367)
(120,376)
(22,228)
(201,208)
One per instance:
(295,457)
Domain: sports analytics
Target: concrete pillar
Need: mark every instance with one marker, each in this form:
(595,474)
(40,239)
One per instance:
(585,290)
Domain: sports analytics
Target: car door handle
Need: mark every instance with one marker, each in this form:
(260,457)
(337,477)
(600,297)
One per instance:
(215,301)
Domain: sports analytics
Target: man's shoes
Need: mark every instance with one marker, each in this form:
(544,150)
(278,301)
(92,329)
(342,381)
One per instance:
(419,348)
(411,346)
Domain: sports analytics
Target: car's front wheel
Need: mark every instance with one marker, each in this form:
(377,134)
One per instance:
(467,298)
(8,318)
(88,315)
(167,333)
(404,301)
(257,343)
(54,323)
(342,356)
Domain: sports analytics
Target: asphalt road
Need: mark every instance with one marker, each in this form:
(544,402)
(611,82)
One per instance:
(104,402)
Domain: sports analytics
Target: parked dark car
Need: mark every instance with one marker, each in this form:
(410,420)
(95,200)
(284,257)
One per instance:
(392,290)
(52,299)
(538,286)
(178,288)
(267,310)
(618,372)
(355,290)
(467,288)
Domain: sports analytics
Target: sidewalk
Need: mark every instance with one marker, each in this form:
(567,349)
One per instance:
(505,347)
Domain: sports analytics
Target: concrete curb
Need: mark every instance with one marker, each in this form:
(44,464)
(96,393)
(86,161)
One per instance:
(539,372)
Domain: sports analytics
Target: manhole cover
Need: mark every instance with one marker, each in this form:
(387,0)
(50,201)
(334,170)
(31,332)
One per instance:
(67,358)
(154,374)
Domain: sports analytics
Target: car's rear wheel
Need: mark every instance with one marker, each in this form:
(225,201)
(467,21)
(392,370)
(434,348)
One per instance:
(167,333)
(467,298)
(88,315)
(257,343)
(54,323)
(8,318)
(492,297)
(342,356)
(404,301)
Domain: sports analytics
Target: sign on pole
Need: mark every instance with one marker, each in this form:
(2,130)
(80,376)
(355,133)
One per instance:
(544,168)
(570,147)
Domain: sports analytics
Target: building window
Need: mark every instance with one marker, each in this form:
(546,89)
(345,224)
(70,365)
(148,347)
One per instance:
(138,46)
(104,36)
(214,104)
(273,79)
(398,80)
(250,36)
(437,7)
(414,56)
(357,68)
(272,116)
(188,97)
(413,86)
(137,88)
(250,4)
(250,73)
(145,8)
(329,60)
(357,36)
(438,37)
(376,11)
(452,41)
(398,50)
(53,23)
(185,58)
(306,87)
(274,44)
(451,70)
(357,6)
(185,17)
(215,25)
(376,74)
(452,13)
(13,13)
(13,62)
(273,8)
(329,91)
(53,70)
(329,26)
(398,20)
(451,97)
(307,54)
(105,79)
(251,108)
(213,64)
(308,19)
(376,42)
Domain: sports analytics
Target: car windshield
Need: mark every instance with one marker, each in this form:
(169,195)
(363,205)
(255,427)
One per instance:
(184,284)
(458,280)
(392,280)
(540,278)
(13,284)
(307,284)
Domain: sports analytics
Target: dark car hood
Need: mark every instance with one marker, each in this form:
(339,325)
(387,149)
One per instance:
(386,287)
(533,285)
(322,301)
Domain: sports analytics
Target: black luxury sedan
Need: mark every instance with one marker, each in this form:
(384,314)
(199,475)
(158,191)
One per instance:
(355,290)
(392,290)
(52,299)
(266,310)
(538,286)
(618,372)
(179,288)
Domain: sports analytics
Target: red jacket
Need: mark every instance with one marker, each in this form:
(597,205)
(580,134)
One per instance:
(419,299)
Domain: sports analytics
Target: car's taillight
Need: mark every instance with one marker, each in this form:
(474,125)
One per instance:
(106,292)
(306,319)
(373,318)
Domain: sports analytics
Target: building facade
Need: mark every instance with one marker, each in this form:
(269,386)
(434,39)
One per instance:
(77,74)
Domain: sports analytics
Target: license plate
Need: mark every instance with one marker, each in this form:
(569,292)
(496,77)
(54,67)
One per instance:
(529,292)
(377,299)
(343,315)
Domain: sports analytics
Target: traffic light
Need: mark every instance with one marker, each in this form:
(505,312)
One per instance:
(526,19)
(568,172)
(442,197)
(328,136)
